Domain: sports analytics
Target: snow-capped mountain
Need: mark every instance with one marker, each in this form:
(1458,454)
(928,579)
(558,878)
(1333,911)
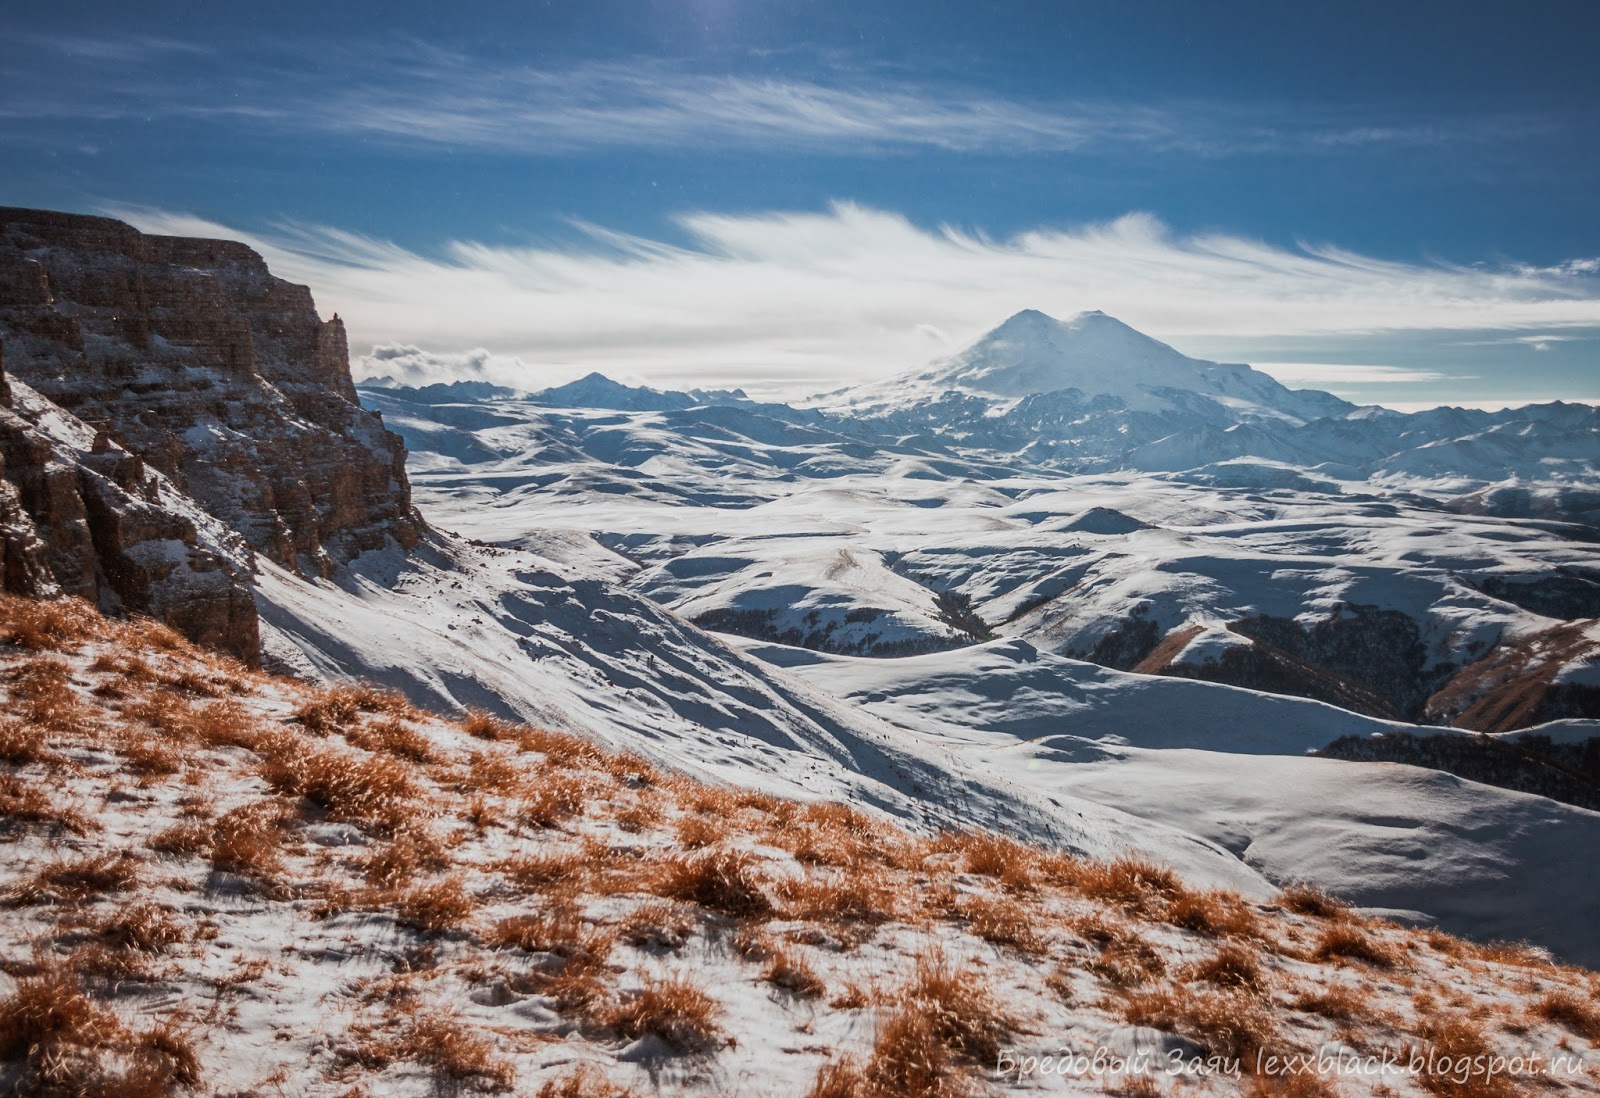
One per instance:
(1094,355)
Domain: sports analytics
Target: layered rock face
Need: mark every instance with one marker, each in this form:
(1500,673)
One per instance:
(222,377)
(163,370)
(80,515)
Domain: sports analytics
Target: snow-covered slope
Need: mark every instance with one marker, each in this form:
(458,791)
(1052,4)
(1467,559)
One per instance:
(221,882)
(1229,766)
(843,531)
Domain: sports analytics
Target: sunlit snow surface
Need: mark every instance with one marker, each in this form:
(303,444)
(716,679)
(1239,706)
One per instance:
(604,530)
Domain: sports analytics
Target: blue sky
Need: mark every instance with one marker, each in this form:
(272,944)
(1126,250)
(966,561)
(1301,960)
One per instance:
(1393,201)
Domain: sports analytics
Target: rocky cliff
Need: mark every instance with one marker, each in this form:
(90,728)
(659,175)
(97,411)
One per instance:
(175,408)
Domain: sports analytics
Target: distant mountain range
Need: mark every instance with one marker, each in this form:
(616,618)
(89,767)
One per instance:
(1090,394)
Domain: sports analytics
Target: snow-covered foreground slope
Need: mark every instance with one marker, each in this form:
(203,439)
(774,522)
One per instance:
(504,630)
(1228,766)
(220,882)
(999,735)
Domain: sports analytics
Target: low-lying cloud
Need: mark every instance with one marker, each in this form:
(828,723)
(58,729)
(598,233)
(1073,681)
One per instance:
(791,303)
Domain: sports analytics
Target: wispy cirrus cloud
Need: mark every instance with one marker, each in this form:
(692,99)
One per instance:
(1339,375)
(792,303)
(411,94)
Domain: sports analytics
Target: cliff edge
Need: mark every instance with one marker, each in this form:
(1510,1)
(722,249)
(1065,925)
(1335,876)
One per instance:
(168,408)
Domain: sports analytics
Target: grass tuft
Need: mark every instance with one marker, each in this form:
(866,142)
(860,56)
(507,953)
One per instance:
(673,1009)
(723,881)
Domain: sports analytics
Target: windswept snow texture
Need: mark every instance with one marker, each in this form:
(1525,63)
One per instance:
(1011,590)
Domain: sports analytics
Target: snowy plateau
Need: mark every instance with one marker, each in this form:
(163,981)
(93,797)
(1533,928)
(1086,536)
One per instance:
(1069,583)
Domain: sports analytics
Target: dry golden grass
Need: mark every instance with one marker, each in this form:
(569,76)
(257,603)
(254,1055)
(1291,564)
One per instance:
(865,895)
(695,832)
(1347,942)
(43,687)
(1002,921)
(573,971)
(956,1003)
(1213,913)
(457,1056)
(1231,966)
(1306,900)
(1517,954)
(486,726)
(673,1009)
(65,1043)
(224,724)
(1298,1084)
(148,756)
(788,972)
(457,1053)
(29,804)
(554,800)
(248,841)
(378,792)
(22,742)
(990,855)
(338,708)
(436,908)
(559,749)
(392,737)
(400,860)
(1126,958)
(1233,1024)
(944,1020)
(188,837)
(584,1081)
(155,634)
(1456,1040)
(144,928)
(658,926)
(48,625)
(1571,1009)
(559,929)
(1339,1002)
(78,879)
(1135,884)
(544,871)
(723,881)
(816,834)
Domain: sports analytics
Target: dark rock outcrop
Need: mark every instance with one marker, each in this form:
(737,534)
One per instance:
(177,409)
(190,354)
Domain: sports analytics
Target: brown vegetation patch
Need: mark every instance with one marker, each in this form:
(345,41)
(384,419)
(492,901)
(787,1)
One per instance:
(723,881)
(48,625)
(30,804)
(1347,942)
(673,1009)
(436,908)
(378,792)
(1231,966)
(584,1081)
(1568,1008)
(1306,900)
(76,880)
(1214,913)
(1231,1024)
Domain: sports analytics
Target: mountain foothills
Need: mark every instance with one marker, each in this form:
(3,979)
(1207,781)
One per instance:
(1088,489)
(1068,585)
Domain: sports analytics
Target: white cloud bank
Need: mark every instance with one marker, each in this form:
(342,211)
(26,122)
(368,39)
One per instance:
(794,303)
